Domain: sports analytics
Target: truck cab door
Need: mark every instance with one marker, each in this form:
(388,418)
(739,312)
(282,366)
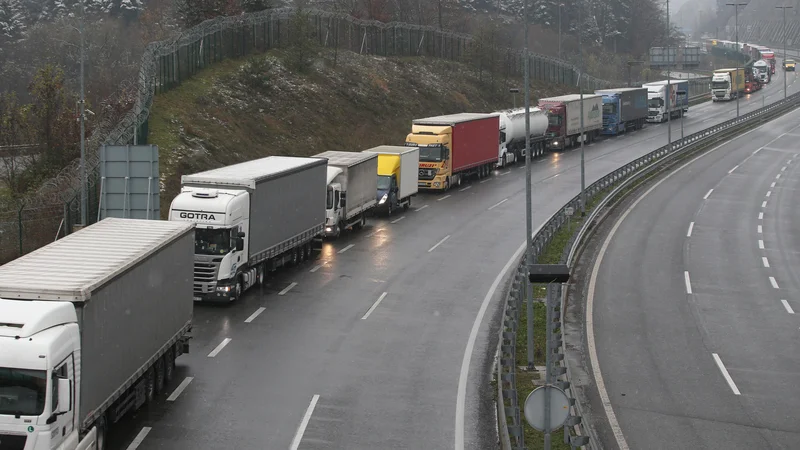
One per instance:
(62,402)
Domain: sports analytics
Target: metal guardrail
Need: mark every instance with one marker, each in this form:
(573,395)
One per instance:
(509,418)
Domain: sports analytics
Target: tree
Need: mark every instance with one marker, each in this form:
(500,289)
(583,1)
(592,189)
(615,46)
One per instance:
(12,21)
(303,42)
(15,150)
(194,12)
(52,116)
(249,6)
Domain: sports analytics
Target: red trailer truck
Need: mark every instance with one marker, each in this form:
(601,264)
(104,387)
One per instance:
(564,115)
(454,147)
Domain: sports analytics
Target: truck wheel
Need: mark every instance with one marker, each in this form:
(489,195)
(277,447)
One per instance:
(237,290)
(159,369)
(100,441)
(407,204)
(260,277)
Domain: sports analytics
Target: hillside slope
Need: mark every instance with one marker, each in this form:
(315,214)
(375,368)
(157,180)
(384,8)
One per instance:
(243,109)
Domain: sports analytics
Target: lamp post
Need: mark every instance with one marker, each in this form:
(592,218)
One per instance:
(736,32)
(669,85)
(583,132)
(528,192)
(560,5)
(785,73)
(84,201)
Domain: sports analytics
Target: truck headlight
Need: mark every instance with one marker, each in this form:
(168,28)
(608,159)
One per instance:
(223,288)
(383,199)
(328,229)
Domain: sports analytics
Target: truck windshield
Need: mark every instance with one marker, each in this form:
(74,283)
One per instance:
(22,391)
(609,108)
(430,154)
(553,120)
(655,103)
(212,241)
(719,85)
(384,182)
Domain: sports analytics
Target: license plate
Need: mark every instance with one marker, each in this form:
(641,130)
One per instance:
(197,299)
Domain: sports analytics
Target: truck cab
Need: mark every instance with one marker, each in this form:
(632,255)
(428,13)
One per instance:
(656,104)
(387,191)
(789,65)
(222,221)
(721,87)
(335,204)
(38,395)
(556,127)
(434,155)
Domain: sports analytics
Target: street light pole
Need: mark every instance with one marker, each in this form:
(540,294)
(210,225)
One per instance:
(583,132)
(669,86)
(785,73)
(528,193)
(736,31)
(84,212)
(559,29)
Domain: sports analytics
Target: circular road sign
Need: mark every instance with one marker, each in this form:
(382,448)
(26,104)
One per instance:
(534,408)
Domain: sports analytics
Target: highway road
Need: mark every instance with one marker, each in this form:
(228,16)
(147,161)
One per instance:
(367,347)
(693,297)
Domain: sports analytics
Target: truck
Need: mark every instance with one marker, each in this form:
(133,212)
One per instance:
(350,195)
(751,81)
(623,109)
(512,134)
(252,218)
(564,119)
(727,84)
(761,67)
(789,65)
(454,147)
(90,326)
(657,99)
(398,175)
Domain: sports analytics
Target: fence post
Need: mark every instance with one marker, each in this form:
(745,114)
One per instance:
(19,226)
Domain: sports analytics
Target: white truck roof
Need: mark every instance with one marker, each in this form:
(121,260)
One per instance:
(24,319)
(567,98)
(249,173)
(72,268)
(347,159)
(392,149)
(451,119)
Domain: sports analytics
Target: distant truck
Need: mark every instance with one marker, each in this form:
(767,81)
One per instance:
(657,91)
(90,326)
(564,119)
(512,135)
(252,218)
(454,147)
(789,65)
(623,109)
(761,67)
(727,84)
(398,175)
(351,190)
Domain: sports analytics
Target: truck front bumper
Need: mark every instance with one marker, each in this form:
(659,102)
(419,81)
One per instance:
(555,144)
(219,292)
(330,230)
(437,183)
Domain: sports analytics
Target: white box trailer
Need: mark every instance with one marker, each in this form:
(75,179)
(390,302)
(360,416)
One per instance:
(564,114)
(351,189)
(398,176)
(90,326)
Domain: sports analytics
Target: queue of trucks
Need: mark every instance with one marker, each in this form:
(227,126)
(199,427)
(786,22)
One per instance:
(91,325)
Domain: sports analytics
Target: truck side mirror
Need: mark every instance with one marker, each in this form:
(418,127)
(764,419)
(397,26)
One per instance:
(64,396)
(239,244)
(240,234)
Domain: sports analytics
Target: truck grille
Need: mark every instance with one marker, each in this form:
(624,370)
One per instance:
(12,441)
(205,273)
(427,174)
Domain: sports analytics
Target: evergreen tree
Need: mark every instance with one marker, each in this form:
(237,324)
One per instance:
(12,21)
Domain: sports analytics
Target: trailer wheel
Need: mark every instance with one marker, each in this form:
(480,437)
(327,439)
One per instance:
(159,370)
(262,268)
(100,441)
(169,364)
(407,204)
(149,385)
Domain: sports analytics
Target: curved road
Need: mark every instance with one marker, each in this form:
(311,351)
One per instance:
(693,296)
(332,362)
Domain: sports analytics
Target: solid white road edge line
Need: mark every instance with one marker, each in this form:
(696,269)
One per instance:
(773,282)
(725,374)
(442,198)
(707,194)
(691,226)
(287,288)
(137,441)
(765,261)
(398,219)
(374,305)
(346,248)
(298,436)
(688,281)
(219,348)
(254,315)
(439,243)
(787,306)
(590,339)
(179,390)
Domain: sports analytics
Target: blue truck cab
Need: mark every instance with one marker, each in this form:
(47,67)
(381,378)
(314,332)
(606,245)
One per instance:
(623,109)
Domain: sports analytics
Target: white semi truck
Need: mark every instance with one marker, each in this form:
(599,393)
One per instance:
(351,190)
(512,134)
(90,326)
(252,218)
(659,93)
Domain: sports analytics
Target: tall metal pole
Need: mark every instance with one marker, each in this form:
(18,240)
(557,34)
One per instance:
(736,32)
(528,193)
(785,73)
(669,84)
(559,29)
(580,89)
(84,202)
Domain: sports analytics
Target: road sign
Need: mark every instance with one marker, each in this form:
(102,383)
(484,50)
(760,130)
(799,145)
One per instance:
(534,408)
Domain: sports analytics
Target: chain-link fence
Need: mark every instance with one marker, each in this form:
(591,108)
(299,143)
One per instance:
(165,64)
